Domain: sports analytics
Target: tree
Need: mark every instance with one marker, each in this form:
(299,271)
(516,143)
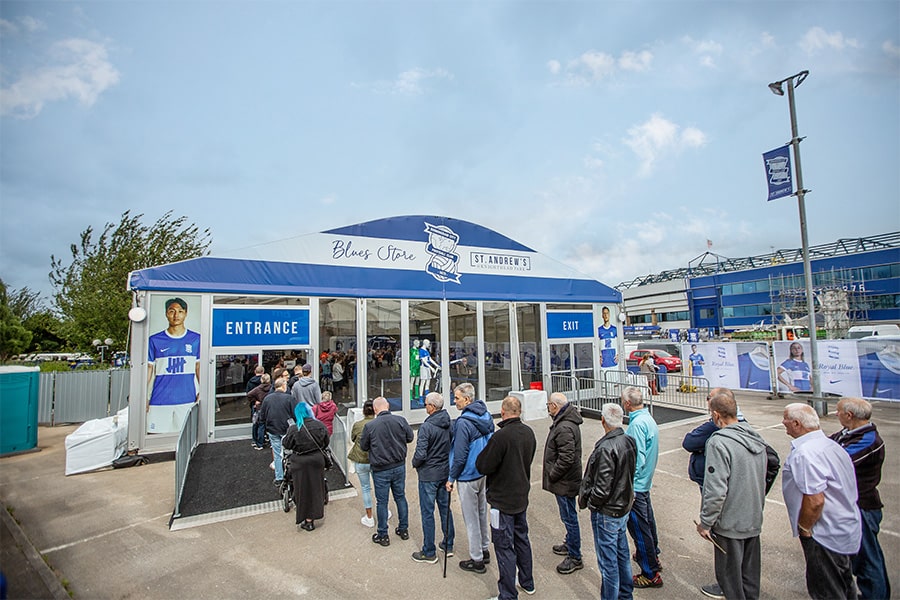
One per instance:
(91,293)
(14,338)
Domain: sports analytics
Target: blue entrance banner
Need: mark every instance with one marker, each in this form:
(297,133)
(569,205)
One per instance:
(570,325)
(778,172)
(260,327)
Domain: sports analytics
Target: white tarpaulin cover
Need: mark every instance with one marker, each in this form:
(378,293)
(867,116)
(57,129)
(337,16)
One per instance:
(97,443)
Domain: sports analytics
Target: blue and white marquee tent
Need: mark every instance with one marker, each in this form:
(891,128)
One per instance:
(399,257)
(511,315)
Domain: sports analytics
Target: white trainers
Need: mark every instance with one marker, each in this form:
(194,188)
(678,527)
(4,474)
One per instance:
(272,465)
(367,521)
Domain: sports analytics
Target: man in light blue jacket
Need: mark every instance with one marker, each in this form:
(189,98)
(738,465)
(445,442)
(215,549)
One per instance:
(641,522)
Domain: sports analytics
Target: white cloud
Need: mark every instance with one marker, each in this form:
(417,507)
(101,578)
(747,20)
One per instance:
(891,49)
(408,83)
(635,61)
(706,49)
(81,71)
(8,27)
(594,66)
(598,64)
(818,39)
(658,137)
(767,40)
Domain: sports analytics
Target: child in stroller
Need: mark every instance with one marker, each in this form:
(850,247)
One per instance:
(287,484)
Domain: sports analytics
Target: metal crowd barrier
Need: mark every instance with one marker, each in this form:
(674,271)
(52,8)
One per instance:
(338,444)
(184,450)
(674,389)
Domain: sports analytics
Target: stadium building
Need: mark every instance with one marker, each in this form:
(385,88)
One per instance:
(855,281)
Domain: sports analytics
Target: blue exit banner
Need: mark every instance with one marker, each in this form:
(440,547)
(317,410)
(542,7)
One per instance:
(570,325)
(260,327)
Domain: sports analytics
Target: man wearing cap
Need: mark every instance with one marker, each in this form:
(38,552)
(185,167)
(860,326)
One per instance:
(306,389)
(173,375)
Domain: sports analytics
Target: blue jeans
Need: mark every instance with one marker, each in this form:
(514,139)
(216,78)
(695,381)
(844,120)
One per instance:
(429,492)
(868,565)
(275,440)
(611,546)
(569,515)
(642,527)
(513,553)
(364,472)
(259,432)
(391,481)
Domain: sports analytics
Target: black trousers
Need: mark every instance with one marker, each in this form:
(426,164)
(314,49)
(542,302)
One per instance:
(738,570)
(828,574)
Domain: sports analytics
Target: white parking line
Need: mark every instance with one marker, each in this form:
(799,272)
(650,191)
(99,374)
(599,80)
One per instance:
(104,534)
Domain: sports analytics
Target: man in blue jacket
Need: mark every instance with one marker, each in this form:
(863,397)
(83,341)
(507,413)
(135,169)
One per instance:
(432,461)
(860,439)
(385,439)
(471,432)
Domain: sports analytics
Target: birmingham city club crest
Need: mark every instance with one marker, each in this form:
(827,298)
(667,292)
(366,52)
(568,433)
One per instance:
(441,246)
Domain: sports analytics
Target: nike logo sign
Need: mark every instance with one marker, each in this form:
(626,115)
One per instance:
(722,375)
(882,391)
(753,383)
(161,350)
(833,381)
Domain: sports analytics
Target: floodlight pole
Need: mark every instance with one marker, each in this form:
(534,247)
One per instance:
(804,239)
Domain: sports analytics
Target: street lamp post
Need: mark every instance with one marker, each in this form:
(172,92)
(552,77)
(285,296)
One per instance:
(102,346)
(777,89)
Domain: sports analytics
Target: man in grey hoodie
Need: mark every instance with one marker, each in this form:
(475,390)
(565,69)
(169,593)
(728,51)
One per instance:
(306,389)
(734,492)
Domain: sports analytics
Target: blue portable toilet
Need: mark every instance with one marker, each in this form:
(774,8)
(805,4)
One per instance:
(19,392)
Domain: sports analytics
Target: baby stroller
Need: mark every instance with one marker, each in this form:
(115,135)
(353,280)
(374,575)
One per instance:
(287,484)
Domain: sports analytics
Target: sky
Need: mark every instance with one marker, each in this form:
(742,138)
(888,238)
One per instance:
(618,137)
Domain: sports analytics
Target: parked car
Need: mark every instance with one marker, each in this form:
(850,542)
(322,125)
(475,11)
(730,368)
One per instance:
(660,357)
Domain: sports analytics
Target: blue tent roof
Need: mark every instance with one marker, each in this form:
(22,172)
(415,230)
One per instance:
(422,257)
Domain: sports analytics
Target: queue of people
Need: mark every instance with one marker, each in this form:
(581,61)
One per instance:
(829,486)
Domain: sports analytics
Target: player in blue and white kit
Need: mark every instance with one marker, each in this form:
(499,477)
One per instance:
(794,372)
(697,362)
(173,360)
(607,333)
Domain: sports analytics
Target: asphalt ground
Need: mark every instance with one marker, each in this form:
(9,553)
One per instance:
(105,533)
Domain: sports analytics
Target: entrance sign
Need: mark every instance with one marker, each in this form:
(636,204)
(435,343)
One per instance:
(778,172)
(260,327)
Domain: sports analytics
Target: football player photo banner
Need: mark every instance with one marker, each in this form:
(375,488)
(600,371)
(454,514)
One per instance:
(173,361)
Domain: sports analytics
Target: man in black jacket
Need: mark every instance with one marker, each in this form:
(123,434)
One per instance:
(608,491)
(385,439)
(506,462)
(275,411)
(562,476)
(432,461)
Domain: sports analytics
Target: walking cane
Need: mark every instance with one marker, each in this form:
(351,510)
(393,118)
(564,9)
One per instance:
(445,523)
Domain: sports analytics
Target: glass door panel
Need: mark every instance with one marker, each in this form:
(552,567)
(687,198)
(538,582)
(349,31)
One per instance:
(425,334)
(382,348)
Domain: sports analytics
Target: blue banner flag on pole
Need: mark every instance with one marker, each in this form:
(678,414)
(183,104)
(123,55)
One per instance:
(778,172)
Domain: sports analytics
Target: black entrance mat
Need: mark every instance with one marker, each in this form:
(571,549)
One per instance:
(228,475)
(661,414)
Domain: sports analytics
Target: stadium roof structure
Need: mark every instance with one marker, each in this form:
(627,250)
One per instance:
(710,263)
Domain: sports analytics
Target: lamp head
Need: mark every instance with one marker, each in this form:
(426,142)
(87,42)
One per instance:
(776,88)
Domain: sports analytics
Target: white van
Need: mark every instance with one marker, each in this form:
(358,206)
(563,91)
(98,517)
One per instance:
(861,331)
